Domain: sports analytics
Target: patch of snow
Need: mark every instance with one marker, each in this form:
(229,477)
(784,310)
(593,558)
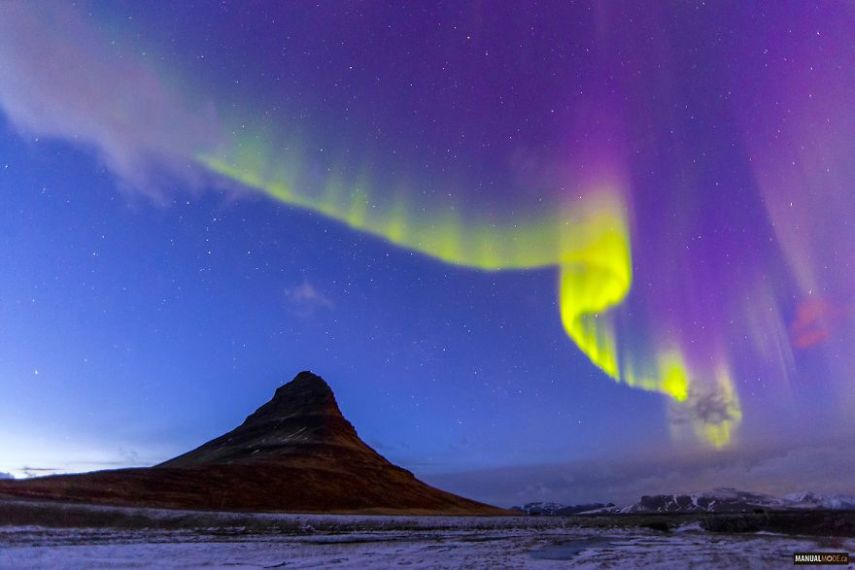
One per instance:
(690,527)
(462,544)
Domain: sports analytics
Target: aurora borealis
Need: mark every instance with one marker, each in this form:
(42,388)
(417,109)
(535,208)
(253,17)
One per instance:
(679,174)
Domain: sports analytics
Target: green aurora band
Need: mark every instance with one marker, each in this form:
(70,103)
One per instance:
(588,242)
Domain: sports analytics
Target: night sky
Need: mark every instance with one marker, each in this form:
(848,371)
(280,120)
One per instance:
(569,251)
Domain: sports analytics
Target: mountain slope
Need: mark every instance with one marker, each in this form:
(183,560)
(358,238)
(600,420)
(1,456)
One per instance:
(295,453)
(302,419)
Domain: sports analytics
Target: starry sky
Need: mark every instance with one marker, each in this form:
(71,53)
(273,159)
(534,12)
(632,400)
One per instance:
(545,250)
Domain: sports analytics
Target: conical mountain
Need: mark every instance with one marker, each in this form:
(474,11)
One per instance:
(295,453)
(303,418)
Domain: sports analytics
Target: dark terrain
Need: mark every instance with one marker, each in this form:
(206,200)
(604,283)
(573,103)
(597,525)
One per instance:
(52,514)
(296,453)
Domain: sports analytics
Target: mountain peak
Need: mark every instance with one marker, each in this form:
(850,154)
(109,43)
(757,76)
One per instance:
(296,452)
(302,415)
(306,379)
(304,387)
(306,396)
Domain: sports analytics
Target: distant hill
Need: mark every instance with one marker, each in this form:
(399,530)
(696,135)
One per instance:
(295,453)
(735,501)
(548,509)
(717,501)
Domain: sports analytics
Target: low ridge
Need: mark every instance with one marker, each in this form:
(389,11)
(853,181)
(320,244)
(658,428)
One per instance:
(295,453)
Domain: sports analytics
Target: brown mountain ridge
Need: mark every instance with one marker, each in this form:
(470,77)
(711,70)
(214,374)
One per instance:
(296,453)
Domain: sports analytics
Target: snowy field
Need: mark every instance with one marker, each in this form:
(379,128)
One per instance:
(326,541)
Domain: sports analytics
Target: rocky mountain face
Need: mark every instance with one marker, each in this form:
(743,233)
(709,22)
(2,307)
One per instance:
(302,419)
(295,453)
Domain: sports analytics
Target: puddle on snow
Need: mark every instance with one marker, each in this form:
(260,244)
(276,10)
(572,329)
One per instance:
(571,549)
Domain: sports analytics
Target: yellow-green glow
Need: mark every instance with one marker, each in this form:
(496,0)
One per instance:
(670,374)
(588,242)
(594,278)
(577,236)
(674,375)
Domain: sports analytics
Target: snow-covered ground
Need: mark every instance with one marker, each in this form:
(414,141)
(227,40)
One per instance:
(391,542)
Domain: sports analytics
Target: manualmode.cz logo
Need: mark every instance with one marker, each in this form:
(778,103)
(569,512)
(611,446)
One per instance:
(821,558)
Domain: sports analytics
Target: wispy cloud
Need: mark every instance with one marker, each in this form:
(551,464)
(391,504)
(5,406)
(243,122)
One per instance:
(306,299)
(60,78)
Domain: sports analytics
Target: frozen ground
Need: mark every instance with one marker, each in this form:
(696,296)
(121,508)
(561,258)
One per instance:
(304,541)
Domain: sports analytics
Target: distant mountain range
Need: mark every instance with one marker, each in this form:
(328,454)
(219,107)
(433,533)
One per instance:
(718,501)
(558,509)
(295,453)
